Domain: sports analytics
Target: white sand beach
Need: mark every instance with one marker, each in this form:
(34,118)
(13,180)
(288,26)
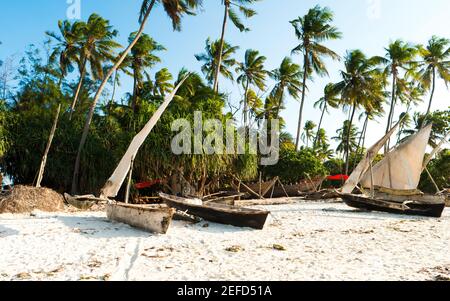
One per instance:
(304,241)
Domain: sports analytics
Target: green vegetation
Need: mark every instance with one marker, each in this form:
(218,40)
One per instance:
(81,66)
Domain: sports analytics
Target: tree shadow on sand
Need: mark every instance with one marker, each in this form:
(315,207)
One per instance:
(5,231)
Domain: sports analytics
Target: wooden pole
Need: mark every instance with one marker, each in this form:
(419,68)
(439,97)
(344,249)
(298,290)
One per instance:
(47,149)
(130,176)
(372,186)
(432,180)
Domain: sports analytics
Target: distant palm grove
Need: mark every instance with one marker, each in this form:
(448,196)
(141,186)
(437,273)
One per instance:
(81,65)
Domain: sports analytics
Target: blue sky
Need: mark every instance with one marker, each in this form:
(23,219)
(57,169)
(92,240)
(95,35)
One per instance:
(366,24)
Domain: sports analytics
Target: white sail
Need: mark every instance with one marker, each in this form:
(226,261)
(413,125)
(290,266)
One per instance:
(364,165)
(402,167)
(112,186)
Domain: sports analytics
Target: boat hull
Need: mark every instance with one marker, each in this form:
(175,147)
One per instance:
(430,206)
(151,218)
(222,214)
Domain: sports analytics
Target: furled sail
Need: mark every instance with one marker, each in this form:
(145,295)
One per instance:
(112,186)
(364,165)
(402,167)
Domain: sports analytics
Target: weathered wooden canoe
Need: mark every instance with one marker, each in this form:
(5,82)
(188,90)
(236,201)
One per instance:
(423,205)
(84,202)
(219,213)
(151,218)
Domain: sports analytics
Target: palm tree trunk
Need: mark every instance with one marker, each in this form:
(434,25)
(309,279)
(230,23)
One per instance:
(99,93)
(391,111)
(134,97)
(246,105)
(113,93)
(302,104)
(77,92)
(47,149)
(431,98)
(347,146)
(320,125)
(360,140)
(222,42)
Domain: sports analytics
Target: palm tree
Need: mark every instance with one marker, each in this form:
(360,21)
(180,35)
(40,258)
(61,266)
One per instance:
(175,9)
(94,45)
(329,99)
(322,147)
(67,48)
(399,56)
(251,72)
(142,58)
(346,138)
(308,132)
(311,30)
(233,15)
(209,58)
(436,63)
(162,84)
(288,78)
(361,85)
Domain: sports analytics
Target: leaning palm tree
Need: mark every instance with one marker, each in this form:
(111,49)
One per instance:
(311,30)
(436,63)
(330,99)
(399,57)
(362,84)
(288,78)
(233,15)
(142,58)
(175,9)
(210,61)
(251,73)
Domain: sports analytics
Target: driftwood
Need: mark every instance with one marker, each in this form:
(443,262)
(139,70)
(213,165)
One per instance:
(183,216)
(47,149)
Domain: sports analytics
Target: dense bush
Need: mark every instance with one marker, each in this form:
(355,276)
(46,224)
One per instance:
(294,166)
(440,170)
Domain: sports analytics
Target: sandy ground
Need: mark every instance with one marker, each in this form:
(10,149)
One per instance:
(305,241)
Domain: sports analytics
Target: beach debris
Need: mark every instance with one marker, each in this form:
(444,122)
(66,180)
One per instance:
(23,276)
(206,225)
(235,249)
(26,199)
(278,247)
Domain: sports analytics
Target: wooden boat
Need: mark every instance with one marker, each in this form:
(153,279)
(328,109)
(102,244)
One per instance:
(393,181)
(430,206)
(152,218)
(219,213)
(84,202)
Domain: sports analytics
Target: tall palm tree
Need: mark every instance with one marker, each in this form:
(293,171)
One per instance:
(436,63)
(232,15)
(210,60)
(95,45)
(142,58)
(251,73)
(175,9)
(67,48)
(362,84)
(308,132)
(330,99)
(288,78)
(399,57)
(311,30)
